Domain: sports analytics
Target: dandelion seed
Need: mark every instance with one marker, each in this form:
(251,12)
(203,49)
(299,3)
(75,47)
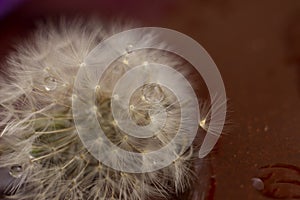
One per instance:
(82,64)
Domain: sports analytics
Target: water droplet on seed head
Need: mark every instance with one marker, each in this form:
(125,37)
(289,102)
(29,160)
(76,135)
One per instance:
(16,171)
(50,83)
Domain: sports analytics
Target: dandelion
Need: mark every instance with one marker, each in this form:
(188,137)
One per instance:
(40,143)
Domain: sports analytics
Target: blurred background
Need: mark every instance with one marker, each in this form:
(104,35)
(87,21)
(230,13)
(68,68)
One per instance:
(256,46)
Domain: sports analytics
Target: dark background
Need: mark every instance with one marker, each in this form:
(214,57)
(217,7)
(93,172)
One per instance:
(256,46)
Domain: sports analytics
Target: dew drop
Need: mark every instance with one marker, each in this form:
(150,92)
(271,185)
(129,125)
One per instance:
(153,93)
(258,184)
(16,171)
(50,83)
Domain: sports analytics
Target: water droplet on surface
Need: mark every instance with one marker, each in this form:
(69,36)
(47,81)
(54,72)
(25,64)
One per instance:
(258,184)
(153,93)
(16,171)
(50,83)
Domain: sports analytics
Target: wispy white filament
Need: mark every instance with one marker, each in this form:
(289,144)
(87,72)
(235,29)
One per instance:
(37,120)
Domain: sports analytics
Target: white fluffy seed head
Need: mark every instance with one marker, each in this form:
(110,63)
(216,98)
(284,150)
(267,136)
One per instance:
(39,133)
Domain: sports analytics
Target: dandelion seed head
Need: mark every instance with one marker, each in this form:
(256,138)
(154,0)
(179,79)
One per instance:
(39,130)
